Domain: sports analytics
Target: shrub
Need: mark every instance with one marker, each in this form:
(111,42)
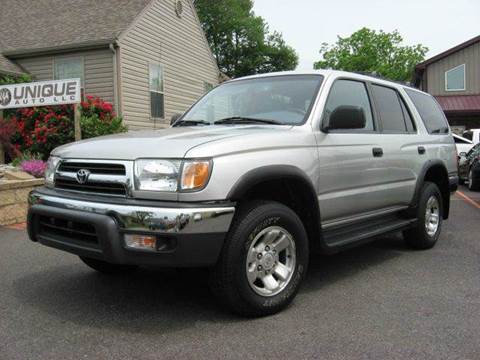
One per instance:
(98,118)
(41,129)
(93,126)
(7,130)
(26,156)
(34,167)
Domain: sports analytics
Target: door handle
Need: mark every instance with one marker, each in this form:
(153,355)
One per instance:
(421,150)
(377,152)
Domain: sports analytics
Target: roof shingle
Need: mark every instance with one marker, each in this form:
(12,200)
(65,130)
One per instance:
(29,25)
(6,66)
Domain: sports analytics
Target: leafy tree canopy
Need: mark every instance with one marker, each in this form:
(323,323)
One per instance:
(374,52)
(241,41)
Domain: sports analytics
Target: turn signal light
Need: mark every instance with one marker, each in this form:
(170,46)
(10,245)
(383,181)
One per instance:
(141,242)
(195,174)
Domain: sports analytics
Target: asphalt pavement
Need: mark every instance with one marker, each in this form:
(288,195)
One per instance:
(378,301)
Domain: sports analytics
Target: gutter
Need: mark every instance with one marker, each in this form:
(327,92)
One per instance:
(113,47)
(88,45)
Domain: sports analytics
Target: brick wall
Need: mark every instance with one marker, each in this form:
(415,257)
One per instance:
(14,200)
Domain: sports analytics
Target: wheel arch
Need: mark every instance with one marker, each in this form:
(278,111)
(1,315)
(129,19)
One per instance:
(290,186)
(434,171)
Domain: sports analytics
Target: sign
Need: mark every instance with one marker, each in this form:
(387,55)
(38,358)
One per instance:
(42,93)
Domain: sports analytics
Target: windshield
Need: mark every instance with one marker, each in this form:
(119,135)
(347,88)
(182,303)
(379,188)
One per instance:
(283,100)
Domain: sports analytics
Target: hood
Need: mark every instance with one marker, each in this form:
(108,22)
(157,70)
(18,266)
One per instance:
(166,143)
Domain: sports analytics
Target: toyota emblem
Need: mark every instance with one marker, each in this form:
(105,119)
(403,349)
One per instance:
(82,176)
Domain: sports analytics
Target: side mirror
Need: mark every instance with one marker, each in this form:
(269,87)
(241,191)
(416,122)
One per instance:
(174,118)
(346,118)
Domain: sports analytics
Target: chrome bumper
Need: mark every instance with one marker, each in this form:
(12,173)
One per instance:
(162,220)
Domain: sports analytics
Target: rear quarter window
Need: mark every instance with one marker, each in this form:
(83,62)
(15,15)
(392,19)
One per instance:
(430,112)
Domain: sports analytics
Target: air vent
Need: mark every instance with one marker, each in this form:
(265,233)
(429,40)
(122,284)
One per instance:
(178,8)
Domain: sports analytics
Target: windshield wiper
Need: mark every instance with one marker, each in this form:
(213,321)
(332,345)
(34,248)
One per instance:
(191,123)
(246,120)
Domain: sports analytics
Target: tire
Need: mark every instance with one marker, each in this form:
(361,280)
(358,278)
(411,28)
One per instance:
(250,245)
(420,237)
(107,268)
(473,184)
(461,181)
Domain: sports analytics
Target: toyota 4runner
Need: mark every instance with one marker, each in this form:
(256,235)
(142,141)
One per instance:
(255,177)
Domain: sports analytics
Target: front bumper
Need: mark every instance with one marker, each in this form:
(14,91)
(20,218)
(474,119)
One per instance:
(96,229)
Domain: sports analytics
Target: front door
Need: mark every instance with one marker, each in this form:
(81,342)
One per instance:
(352,163)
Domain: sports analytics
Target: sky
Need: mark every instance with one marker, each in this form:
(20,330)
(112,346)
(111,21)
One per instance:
(306,24)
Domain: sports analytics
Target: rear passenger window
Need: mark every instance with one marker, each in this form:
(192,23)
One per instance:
(389,107)
(408,118)
(430,112)
(349,93)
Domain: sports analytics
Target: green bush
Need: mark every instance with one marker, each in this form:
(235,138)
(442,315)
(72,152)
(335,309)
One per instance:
(93,126)
(41,129)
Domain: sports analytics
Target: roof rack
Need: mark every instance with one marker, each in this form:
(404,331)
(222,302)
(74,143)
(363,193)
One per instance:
(376,75)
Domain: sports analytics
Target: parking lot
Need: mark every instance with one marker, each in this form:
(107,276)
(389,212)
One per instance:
(378,301)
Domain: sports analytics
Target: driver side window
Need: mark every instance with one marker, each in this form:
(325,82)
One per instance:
(349,93)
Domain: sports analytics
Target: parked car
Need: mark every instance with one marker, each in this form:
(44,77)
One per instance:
(257,175)
(473,135)
(469,168)
(463,144)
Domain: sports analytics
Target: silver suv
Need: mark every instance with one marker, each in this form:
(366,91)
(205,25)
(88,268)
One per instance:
(255,177)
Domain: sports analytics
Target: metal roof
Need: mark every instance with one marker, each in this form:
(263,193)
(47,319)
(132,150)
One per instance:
(460,103)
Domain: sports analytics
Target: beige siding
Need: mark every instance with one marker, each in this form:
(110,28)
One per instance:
(469,56)
(178,44)
(98,70)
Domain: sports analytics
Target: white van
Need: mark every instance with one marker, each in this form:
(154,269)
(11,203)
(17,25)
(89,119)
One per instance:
(473,135)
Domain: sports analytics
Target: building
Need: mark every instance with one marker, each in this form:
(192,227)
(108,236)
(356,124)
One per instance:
(150,58)
(453,77)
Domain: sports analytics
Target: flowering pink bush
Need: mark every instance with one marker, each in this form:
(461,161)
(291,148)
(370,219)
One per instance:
(34,167)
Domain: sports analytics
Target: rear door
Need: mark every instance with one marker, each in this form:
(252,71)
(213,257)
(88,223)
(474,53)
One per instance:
(403,155)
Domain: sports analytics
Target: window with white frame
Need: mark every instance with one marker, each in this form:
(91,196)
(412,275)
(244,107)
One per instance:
(455,79)
(157,97)
(69,68)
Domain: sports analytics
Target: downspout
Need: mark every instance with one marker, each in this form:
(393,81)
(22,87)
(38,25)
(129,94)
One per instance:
(116,97)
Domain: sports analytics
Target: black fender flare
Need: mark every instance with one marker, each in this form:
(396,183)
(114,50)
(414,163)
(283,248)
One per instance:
(421,180)
(281,172)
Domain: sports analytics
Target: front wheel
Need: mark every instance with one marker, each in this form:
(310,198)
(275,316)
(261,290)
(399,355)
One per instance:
(429,219)
(264,260)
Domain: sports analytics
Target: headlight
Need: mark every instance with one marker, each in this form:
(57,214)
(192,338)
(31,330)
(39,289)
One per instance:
(164,175)
(52,164)
(157,175)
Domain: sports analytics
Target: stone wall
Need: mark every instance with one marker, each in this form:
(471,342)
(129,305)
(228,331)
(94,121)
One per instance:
(14,199)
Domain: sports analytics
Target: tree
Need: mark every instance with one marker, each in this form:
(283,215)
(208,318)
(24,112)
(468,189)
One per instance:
(373,52)
(241,41)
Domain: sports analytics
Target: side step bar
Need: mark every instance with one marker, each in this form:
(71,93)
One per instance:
(353,234)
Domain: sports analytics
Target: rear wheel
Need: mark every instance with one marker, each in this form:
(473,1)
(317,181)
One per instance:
(107,268)
(429,219)
(264,260)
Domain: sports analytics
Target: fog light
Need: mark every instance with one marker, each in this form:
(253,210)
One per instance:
(141,242)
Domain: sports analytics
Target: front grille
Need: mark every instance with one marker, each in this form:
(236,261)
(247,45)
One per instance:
(103,178)
(92,187)
(94,168)
(67,230)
